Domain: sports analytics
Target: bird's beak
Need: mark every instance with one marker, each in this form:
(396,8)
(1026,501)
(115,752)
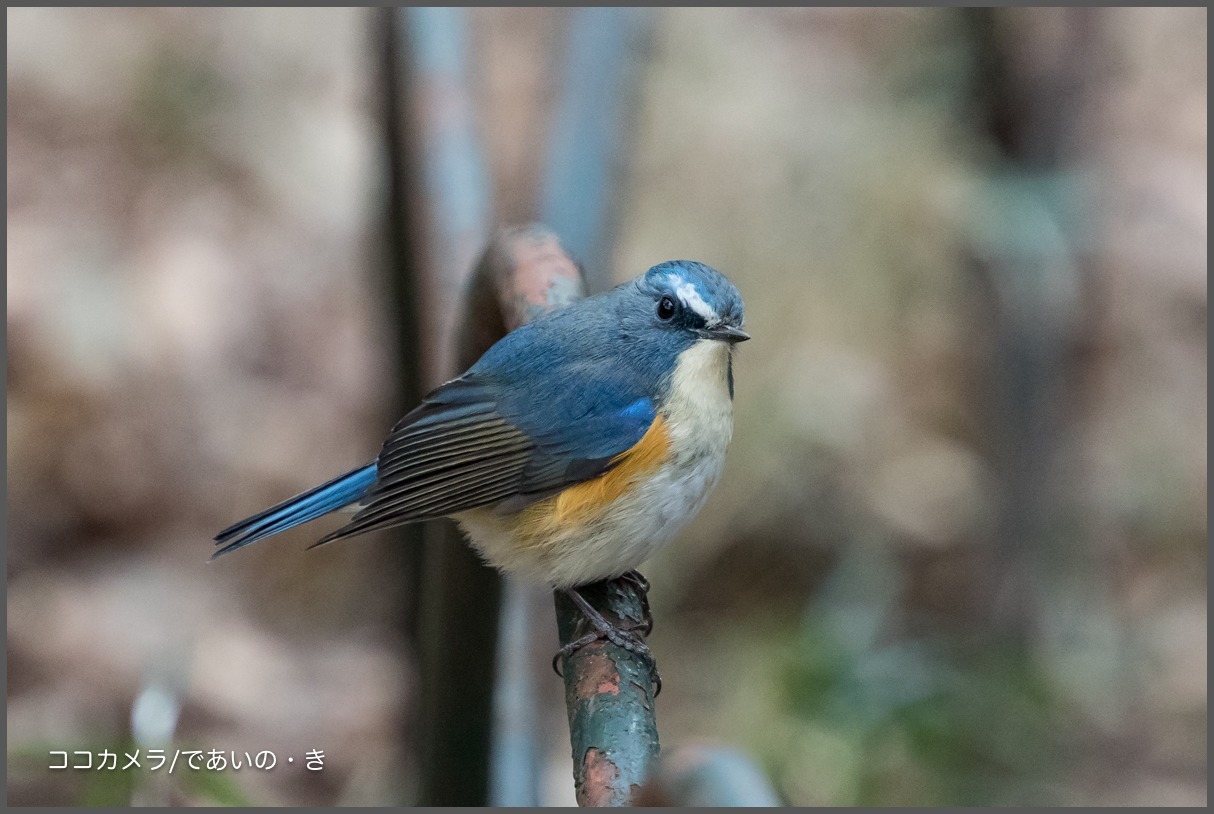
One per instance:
(724,333)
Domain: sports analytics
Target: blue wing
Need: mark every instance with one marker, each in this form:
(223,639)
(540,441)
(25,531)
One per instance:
(518,426)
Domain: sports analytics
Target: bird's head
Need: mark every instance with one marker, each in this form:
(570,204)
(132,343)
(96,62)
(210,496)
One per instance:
(692,301)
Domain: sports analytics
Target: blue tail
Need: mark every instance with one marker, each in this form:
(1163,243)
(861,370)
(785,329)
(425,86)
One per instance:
(309,505)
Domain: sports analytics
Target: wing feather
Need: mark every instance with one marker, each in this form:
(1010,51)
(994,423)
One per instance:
(436,457)
(503,439)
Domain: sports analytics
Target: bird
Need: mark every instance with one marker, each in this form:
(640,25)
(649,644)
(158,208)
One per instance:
(571,450)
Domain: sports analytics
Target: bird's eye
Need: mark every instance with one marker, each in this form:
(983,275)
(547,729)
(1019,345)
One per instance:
(666,308)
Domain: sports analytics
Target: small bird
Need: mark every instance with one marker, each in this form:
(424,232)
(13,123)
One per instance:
(572,449)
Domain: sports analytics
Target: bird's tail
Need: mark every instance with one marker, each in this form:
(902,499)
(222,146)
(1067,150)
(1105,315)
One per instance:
(328,497)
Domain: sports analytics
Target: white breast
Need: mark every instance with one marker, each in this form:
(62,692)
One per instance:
(699,408)
(699,413)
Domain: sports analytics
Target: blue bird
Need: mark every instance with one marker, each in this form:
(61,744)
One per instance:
(572,449)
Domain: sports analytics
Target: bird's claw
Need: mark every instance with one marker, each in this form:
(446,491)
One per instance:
(630,638)
(623,637)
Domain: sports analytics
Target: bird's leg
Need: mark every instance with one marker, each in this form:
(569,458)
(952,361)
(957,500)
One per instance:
(629,638)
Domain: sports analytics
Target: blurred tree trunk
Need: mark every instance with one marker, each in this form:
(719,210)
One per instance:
(1033,68)
(440,204)
(1051,585)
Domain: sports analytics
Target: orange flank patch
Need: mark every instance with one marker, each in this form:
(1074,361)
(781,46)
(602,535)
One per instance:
(582,503)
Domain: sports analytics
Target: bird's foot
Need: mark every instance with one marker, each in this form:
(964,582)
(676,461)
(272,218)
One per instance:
(628,637)
(641,586)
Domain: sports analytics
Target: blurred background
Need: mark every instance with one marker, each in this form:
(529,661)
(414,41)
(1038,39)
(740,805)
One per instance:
(958,553)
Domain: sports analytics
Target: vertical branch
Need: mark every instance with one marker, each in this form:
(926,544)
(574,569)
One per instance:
(609,694)
(587,147)
(454,193)
(608,690)
(448,198)
(400,267)
(523,274)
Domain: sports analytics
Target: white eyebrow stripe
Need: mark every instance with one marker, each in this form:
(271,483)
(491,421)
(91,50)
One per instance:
(692,299)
